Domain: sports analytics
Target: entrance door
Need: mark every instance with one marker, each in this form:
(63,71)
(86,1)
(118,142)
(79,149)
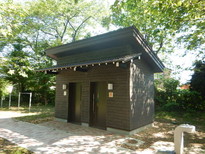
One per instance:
(75,91)
(98,104)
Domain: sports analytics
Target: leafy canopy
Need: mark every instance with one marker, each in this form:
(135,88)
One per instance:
(198,78)
(28,28)
(162,20)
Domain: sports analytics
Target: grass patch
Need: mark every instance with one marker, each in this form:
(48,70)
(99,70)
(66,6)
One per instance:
(25,109)
(7,147)
(192,118)
(38,118)
(41,113)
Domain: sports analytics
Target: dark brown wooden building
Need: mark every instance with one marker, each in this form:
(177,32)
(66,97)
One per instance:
(106,81)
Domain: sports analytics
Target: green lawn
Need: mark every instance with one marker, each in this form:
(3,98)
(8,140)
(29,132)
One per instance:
(42,113)
(195,118)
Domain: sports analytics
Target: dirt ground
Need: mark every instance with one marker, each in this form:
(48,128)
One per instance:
(164,132)
(158,136)
(161,133)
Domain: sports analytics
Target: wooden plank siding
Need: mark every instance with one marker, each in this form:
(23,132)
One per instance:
(118,107)
(141,94)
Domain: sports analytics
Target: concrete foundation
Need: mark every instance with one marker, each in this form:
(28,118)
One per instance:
(61,120)
(124,132)
(85,124)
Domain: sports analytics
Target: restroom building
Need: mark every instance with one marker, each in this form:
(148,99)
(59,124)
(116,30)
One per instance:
(106,81)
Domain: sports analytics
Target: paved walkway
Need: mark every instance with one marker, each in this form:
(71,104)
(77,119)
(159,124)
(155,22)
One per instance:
(44,139)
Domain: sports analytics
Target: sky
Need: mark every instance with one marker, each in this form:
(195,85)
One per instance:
(185,62)
(175,58)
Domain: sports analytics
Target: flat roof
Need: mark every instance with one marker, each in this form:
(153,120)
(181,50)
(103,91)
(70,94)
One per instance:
(129,35)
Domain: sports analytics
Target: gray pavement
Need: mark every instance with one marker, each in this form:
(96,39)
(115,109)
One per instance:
(68,138)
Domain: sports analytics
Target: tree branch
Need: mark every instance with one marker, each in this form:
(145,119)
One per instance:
(77,29)
(48,33)
(65,28)
(83,22)
(160,47)
(36,40)
(71,25)
(56,30)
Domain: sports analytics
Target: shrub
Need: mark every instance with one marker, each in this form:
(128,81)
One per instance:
(190,100)
(171,106)
(179,100)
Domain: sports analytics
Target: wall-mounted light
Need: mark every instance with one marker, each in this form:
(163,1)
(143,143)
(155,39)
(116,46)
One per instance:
(65,93)
(110,86)
(64,86)
(117,64)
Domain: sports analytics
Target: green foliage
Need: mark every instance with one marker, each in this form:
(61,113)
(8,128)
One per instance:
(27,29)
(172,99)
(17,68)
(160,21)
(64,21)
(198,78)
(170,85)
(190,100)
(3,84)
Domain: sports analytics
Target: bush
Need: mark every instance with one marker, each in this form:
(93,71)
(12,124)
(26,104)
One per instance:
(171,106)
(179,100)
(190,100)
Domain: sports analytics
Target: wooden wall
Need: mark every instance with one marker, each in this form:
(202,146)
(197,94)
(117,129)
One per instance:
(118,107)
(141,94)
(133,103)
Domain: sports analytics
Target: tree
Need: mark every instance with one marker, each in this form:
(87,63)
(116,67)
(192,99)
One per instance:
(28,29)
(161,21)
(42,24)
(64,21)
(197,82)
(17,67)
(3,82)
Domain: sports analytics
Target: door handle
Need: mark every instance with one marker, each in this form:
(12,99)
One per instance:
(93,103)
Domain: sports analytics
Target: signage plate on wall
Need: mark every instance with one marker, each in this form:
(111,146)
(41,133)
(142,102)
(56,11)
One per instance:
(110,94)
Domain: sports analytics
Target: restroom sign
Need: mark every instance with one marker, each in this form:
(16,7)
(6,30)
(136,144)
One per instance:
(110,94)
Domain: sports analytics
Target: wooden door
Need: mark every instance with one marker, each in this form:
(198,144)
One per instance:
(75,94)
(98,104)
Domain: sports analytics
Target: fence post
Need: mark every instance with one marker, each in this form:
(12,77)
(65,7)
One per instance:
(9,100)
(30,101)
(19,99)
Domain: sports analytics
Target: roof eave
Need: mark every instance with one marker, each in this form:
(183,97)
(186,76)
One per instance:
(124,59)
(159,66)
(99,39)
